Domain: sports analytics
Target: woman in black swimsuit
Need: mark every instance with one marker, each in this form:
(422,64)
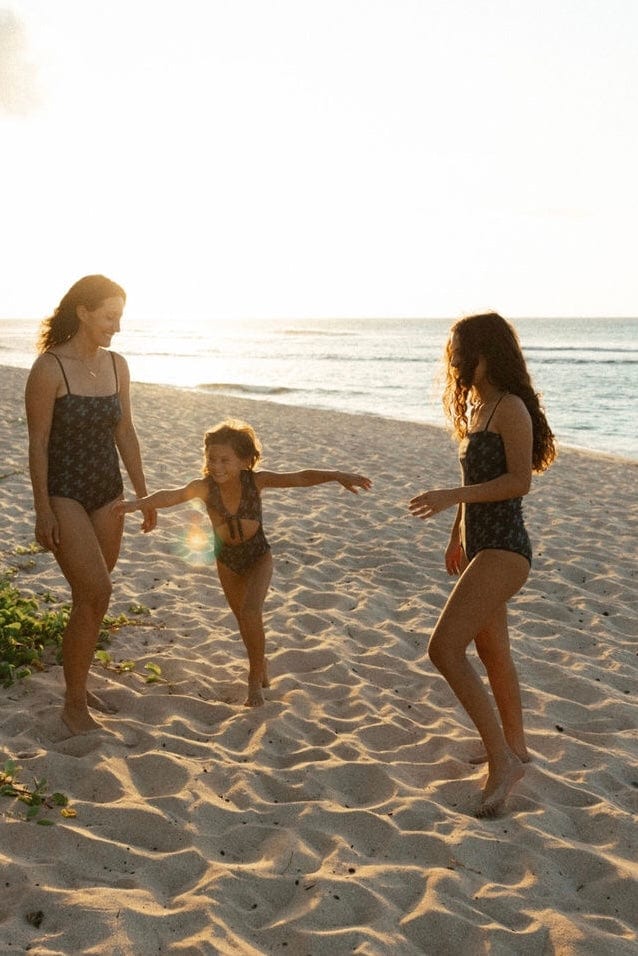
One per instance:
(79,417)
(231,491)
(504,437)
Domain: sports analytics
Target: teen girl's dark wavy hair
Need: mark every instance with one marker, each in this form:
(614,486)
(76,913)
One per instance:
(492,337)
(239,435)
(90,291)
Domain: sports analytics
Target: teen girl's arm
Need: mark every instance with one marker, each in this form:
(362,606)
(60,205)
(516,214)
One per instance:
(310,477)
(128,444)
(513,422)
(166,498)
(40,394)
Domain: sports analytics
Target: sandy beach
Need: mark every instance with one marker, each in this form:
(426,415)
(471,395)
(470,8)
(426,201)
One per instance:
(337,818)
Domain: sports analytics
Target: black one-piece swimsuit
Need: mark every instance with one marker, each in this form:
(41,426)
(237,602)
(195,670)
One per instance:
(83,463)
(490,524)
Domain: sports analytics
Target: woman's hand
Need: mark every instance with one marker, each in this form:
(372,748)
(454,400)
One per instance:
(432,502)
(150,519)
(47,531)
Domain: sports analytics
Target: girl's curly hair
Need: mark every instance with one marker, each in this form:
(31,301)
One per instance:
(492,337)
(239,435)
(90,291)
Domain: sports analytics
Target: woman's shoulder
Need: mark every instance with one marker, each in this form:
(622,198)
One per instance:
(119,359)
(46,367)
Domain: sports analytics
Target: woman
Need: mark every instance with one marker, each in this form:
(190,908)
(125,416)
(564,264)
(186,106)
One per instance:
(503,436)
(79,417)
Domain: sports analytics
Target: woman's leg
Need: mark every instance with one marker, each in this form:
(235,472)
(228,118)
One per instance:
(246,594)
(108,530)
(484,587)
(83,564)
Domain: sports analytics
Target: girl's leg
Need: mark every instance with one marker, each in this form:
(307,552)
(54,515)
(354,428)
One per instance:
(246,594)
(484,587)
(82,562)
(493,646)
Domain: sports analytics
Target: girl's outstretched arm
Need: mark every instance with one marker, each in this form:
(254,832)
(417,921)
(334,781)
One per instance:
(309,477)
(166,498)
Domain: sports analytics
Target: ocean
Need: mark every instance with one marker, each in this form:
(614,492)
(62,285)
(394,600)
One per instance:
(585,369)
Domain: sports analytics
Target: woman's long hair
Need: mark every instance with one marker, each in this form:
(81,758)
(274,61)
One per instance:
(492,337)
(90,291)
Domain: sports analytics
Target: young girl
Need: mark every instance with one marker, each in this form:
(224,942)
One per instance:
(231,491)
(504,439)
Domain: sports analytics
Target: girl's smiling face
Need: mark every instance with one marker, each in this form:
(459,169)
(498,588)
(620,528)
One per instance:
(223,463)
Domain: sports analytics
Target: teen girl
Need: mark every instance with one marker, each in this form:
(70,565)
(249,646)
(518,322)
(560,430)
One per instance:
(504,437)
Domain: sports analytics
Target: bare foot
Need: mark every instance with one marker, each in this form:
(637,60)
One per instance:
(78,719)
(498,787)
(255,697)
(98,704)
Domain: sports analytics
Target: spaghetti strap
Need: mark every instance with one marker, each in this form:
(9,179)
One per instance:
(493,410)
(117,384)
(66,381)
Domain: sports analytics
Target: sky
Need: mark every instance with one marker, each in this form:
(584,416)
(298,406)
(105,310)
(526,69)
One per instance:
(247,158)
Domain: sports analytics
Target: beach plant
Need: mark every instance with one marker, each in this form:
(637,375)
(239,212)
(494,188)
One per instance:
(36,799)
(27,630)
(153,671)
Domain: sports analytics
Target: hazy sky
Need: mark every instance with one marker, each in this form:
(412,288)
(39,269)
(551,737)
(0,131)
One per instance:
(225,158)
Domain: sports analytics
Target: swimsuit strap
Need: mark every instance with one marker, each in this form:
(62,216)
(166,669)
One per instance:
(66,381)
(493,410)
(117,384)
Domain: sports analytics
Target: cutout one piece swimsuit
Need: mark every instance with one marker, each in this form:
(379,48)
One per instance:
(490,524)
(243,552)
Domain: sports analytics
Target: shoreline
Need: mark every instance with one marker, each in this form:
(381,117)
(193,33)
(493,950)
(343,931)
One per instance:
(341,812)
(256,397)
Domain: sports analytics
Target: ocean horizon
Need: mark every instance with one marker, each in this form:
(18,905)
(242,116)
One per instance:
(585,369)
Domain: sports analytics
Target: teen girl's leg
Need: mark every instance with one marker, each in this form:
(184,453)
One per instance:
(83,564)
(487,583)
(246,594)
(493,647)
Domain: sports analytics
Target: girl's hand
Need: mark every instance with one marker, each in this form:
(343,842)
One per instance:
(121,507)
(352,482)
(431,503)
(47,531)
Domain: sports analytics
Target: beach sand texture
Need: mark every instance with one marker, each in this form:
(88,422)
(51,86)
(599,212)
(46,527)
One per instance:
(337,818)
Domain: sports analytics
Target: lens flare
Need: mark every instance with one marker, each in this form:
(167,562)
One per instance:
(196,545)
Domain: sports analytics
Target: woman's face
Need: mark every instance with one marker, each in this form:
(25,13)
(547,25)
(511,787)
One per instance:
(102,323)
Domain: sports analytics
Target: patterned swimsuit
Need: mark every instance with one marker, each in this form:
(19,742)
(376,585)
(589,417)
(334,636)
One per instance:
(490,524)
(241,556)
(83,459)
